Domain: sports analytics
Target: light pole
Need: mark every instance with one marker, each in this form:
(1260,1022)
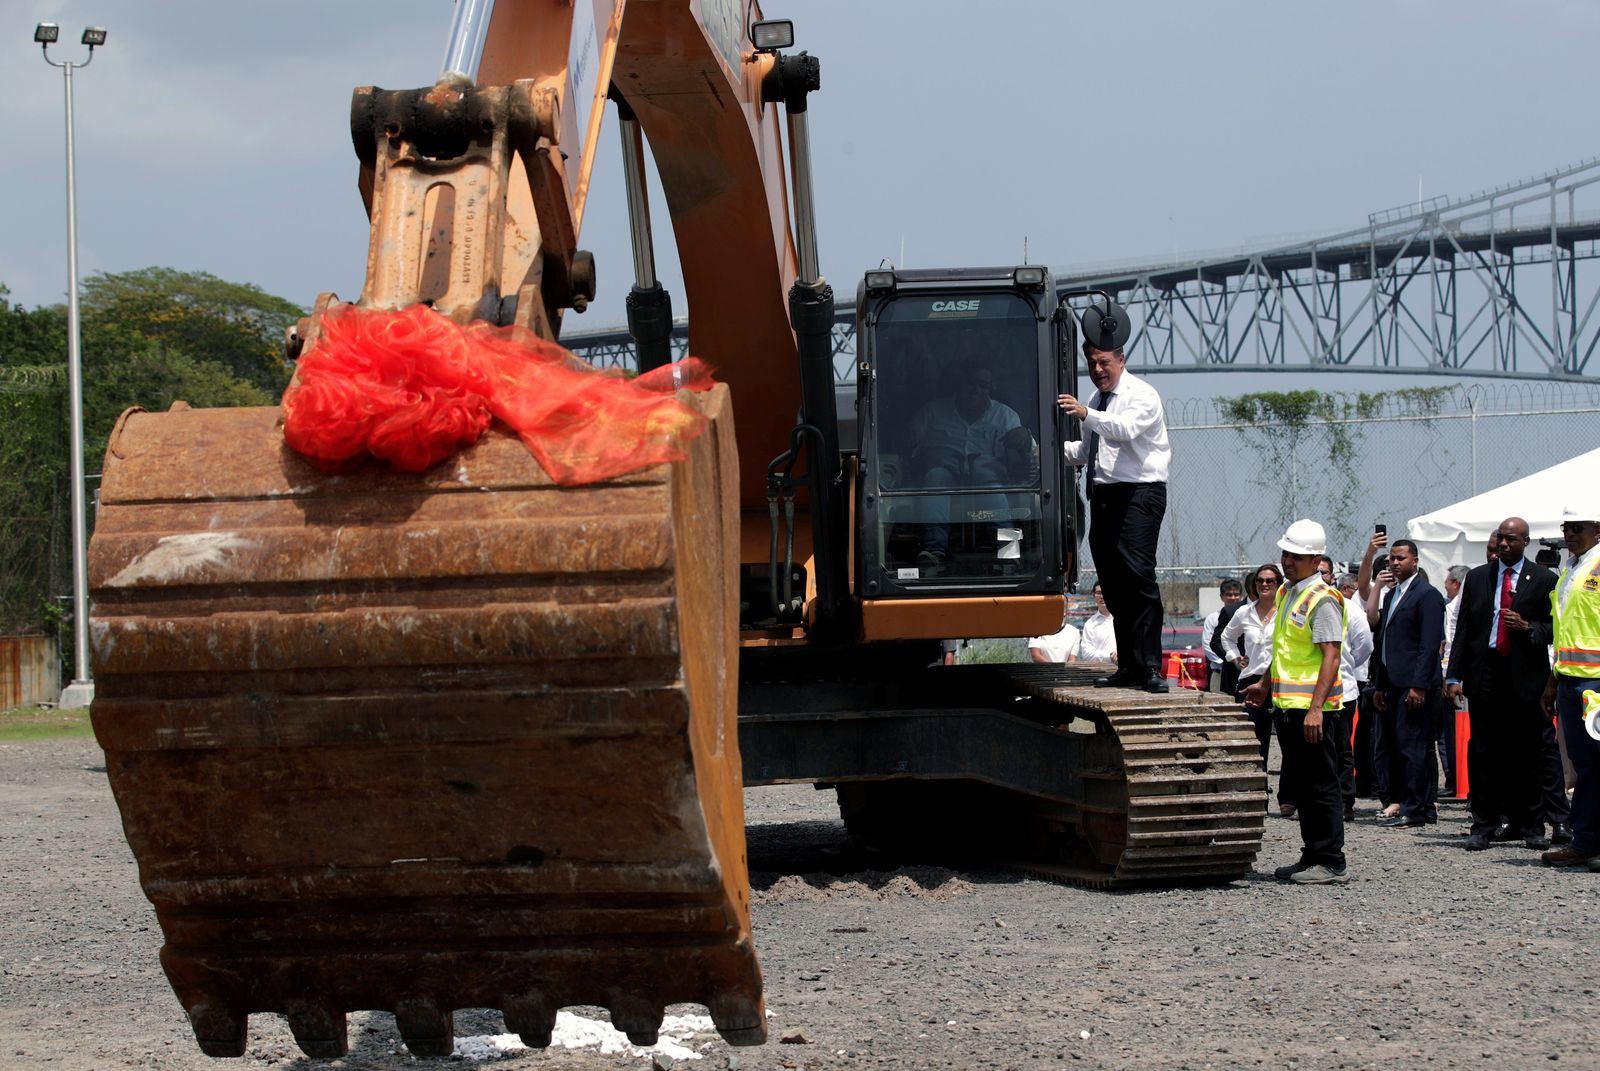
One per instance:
(81,691)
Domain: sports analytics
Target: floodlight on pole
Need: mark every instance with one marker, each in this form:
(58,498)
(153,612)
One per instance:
(80,692)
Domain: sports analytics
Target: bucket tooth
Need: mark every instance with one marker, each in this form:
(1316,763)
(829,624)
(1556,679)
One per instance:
(221,1031)
(638,1017)
(427,1029)
(740,1020)
(319,1030)
(531,1017)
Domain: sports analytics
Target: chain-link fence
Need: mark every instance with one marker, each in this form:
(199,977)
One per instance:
(1244,467)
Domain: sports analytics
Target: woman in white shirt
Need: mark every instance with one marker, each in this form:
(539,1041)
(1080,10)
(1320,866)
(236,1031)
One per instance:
(1247,642)
(1099,640)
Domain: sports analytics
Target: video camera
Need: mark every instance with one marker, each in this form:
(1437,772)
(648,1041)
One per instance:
(1549,554)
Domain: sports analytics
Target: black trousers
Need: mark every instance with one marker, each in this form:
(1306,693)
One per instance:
(1503,756)
(1412,734)
(1261,720)
(1230,678)
(1386,776)
(1124,525)
(1311,772)
(1363,744)
(1344,749)
(1554,805)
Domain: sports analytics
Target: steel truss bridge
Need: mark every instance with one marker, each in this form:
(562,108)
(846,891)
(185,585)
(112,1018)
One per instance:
(1499,283)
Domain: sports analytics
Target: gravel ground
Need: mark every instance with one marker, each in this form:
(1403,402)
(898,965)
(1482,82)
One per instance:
(1430,955)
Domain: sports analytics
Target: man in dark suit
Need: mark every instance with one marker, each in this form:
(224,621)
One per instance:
(1500,660)
(1406,656)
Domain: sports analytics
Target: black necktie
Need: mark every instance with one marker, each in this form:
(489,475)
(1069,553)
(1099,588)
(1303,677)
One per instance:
(1094,442)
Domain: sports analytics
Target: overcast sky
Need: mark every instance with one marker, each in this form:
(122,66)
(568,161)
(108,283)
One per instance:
(214,135)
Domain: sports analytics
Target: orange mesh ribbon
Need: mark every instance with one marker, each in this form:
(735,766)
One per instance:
(413,387)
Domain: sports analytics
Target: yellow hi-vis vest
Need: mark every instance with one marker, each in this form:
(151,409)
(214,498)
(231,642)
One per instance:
(1578,627)
(1296,660)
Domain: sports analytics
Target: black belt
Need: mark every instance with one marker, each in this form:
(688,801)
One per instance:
(1131,485)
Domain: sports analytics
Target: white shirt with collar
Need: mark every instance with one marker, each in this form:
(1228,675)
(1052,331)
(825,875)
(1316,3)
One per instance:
(1207,631)
(1355,653)
(1098,641)
(1059,646)
(1452,611)
(1247,634)
(1132,431)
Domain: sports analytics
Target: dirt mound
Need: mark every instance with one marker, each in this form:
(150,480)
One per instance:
(920,882)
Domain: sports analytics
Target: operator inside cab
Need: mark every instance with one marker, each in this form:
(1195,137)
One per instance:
(966,439)
(957,394)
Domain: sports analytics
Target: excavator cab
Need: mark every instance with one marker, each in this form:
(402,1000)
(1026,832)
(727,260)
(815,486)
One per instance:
(961,481)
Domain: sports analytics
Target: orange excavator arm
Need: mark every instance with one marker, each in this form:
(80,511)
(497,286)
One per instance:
(488,228)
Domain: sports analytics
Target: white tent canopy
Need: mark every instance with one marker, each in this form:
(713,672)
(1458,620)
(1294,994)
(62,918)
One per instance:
(1457,534)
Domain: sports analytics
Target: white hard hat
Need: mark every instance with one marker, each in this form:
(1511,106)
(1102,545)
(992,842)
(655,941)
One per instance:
(1304,536)
(1584,510)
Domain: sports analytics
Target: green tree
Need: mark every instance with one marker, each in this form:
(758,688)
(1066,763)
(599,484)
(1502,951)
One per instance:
(150,337)
(235,325)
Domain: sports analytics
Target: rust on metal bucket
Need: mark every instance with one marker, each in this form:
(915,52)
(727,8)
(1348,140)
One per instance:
(419,743)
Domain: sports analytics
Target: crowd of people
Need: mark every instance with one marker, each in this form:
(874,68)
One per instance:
(1510,641)
(1357,674)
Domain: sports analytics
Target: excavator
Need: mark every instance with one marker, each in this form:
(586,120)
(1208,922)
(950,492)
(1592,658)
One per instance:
(470,738)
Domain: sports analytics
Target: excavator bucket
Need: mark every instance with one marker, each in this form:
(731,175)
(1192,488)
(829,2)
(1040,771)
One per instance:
(418,743)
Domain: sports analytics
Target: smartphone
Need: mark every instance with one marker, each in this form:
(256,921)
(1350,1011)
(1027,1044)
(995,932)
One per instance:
(1381,529)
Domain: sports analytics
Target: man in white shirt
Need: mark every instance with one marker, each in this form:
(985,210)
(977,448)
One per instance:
(1231,593)
(1453,579)
(1057,647)
(1126,456)
(964,440)
(1098,642)
(1355,651)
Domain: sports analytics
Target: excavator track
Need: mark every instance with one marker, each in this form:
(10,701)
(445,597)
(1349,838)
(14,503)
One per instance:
(1174,790)
(464,739)
(1026,766)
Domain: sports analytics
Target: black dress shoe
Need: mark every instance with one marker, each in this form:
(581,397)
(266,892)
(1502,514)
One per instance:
(1156,685)
(1405,821)
(1122,678)
(1478,842)
(1537,841)
(1504,834)
(1561,833)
